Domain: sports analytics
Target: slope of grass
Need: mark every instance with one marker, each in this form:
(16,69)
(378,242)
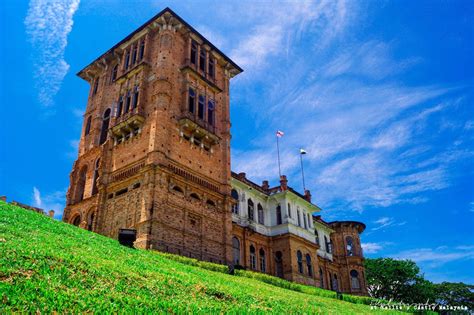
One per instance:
(47,266)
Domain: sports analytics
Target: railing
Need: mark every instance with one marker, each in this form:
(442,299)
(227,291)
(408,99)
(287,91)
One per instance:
(201,123)
(132,112)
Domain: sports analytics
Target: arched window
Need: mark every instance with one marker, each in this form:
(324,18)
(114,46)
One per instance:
(350,246)
(194,196)
(81,183)
(253,258)
(113,77)
(355,284)
(142,49)
(260,214)
(309,265)
(250,209)
(90,221)
(120,106)
(289,210)
(235,206)
(178,189)
(77,220)
(236,250)
(299,257)
(135,97)
(191,100)
(210,112)
(278,214)
(263,264)
(317,236)
(321,278)
(88,125)
(210,203)
(201,107)
(96,176)
(105,126)
(335,284)
(279,264)
(96,86)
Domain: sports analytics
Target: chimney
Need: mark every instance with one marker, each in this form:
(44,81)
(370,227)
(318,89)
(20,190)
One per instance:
(307,195)
(283,183)
(51,213)
(242,175)
(265,185)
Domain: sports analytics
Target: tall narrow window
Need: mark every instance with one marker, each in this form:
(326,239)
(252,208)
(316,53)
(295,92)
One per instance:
(260,214)
(349,246)
(211,67)
(105,126)
(134,54)
(193,52)
(304,220)
(96,176)
(263,263)
(289,210)
(279,264)
(309,265)
(81,184)
(127,102)
(298,215)
(236,250)
(299,258)
(90,221)
(253,258)
(321,278)
(201,107)
(191,101)
(114,73)
(235,195)
(135,97)
(96,86)
(202,60)
(309,220)
(335,284)
(77,220)
(317,236)
(127,59)
(327,245)
(355,284)
(88,125)
(250,209)
(278,215)
(210,112)
(142,50)
(120,106)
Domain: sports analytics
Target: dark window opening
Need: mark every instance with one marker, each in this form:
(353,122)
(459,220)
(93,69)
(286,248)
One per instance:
(191,101)
(236,250)
(127,237)
(289,210)
(250,209)
(105,126)
(81,184)
(201,107)
(253,258)
(263,263)
(202,60)
(136,185)
(178,189)
(134,54)
(308,264)
(317,236)
(127,101)
(278,215)
(210,112)
(88,125)
(235,206)
(261,219)
(90,221)
(120,106)
(142,49)
(211,203)
(77,220)
(321,278)
(127,60)
(121,192)
(135,97)
(195,196)
(279,264)
(299,257)
(355,284)
(96,176)
(350,246)
(96,86)
(211,67)
(110,196)
(193,52)
(114,73)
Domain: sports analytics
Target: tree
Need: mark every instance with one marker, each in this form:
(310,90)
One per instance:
(455,294)
(398,280)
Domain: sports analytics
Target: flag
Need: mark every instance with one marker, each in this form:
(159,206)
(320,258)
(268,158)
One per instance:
(302,151)
(280,134)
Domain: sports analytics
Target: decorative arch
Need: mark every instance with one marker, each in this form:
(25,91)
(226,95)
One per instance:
(263,261)
(253,258)
(299,258)
(236,250)
(90,219)
(355,283)
(76,220)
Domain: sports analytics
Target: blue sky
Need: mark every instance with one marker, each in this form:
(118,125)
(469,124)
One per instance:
(379,93)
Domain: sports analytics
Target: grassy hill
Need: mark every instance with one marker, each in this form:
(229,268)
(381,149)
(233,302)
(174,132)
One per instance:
(49,266)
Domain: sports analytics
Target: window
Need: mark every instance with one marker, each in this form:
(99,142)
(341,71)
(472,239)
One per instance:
(260,214)
(317,236)
(327,245)
(120,106)
(201,107)
(309,220)
(105,126)
(77,220)
(193,52)
(298,216)
(135,97)
(279,264)
(299,257)
(308,264)
(304,220)
(253,258)
(88,126)
(96,176)
(142,50)
(90,221)
(349,246)
(114,73)
(321,278)
(236,250)
(210,112)
(289,210)
(211,67)
(355,284)
(195,196)
(96,86)
(235,195)
(191,100)
(127,101)
(278,215)
(127,59)
(263,265)
(250,209)
(335,284)
(134,54)
(202,60)
(81,183)
(210,203)
(177,189)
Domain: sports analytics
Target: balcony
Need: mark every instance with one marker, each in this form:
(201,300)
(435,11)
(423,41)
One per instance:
(198,129)
(128,122)
(202,75)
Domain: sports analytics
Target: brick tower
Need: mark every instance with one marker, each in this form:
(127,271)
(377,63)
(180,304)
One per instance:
(154,153)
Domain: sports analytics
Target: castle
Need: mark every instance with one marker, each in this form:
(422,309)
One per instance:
(154,161)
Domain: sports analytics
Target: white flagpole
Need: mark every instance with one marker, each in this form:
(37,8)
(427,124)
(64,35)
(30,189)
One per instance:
(302,170)
(278,152)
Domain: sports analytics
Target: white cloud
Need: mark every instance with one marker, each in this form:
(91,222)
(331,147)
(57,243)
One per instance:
(52,201)
(386,222)
(37,197)
(471,206)
(371,248)
(435,257)
(48,23)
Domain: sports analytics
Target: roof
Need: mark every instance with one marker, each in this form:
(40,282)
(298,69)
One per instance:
(162,12)
(358,225)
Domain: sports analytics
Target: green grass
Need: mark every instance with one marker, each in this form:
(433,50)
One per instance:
(47,266)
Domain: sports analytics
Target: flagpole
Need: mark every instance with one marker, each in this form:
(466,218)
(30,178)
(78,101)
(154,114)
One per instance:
(302,171)
(278,152)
